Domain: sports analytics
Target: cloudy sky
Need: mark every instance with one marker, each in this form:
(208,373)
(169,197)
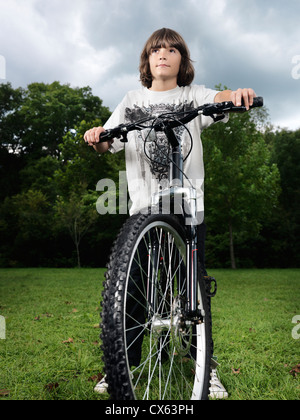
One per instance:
(239,43)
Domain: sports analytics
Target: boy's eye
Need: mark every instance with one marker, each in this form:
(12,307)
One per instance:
(156,50)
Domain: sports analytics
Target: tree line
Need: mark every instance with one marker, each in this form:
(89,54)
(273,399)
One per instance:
(48,179)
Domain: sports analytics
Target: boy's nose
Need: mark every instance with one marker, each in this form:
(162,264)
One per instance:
(162,54)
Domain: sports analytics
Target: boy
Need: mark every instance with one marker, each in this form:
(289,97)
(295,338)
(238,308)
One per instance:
(166,73)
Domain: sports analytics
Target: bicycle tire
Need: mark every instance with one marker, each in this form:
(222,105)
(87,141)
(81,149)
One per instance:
(174,354)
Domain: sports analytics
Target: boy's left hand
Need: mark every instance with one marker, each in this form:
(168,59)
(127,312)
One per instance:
(243,94)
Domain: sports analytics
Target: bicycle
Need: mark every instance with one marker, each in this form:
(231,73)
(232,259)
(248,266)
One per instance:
(156,316)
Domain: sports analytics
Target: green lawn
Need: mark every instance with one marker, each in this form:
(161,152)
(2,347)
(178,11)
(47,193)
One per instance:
(252,318)
(52,345)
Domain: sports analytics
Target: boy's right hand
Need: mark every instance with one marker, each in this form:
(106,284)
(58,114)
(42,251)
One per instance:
(92,136)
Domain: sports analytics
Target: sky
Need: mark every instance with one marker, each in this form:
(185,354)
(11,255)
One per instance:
(97,43)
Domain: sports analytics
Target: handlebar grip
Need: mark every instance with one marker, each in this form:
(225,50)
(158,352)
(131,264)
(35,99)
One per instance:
(258,102)
(107,135)
(104,136)
(112,133)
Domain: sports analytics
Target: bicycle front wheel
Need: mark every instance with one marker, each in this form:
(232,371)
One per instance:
(151,350)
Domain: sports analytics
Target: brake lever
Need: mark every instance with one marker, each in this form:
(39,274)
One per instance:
(218,117)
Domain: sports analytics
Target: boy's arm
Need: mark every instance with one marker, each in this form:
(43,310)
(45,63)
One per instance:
(236,97)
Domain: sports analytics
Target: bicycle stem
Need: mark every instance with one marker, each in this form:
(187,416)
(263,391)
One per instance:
(176,164)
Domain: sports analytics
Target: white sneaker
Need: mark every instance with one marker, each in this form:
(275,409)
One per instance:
(217,390)
(101,387)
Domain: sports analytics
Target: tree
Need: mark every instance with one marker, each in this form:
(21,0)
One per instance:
(42,153)
(80,169)
(39,175)
(11,162)
(11,125)
(242,186)
(25,228)
(283,231)
(59,109)
(76,214)
(33,122)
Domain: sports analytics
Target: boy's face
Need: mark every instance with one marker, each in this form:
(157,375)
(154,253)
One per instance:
(165,63)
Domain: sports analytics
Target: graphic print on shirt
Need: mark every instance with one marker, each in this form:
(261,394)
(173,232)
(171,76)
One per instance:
(154,149)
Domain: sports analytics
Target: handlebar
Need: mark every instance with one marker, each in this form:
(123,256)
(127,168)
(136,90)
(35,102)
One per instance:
(176,119)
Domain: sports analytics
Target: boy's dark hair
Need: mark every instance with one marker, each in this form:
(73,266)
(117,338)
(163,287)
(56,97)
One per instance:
(161,39)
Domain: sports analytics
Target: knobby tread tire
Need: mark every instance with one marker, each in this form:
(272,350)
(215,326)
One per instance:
(112,329)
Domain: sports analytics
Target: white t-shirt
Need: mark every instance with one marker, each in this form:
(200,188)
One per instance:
(147,172)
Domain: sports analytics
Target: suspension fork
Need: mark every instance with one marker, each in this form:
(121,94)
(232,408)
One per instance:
(192,273)
(152,272)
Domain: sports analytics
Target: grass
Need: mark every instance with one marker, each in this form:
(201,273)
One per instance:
(252,318)
(52,347)
(44,308)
